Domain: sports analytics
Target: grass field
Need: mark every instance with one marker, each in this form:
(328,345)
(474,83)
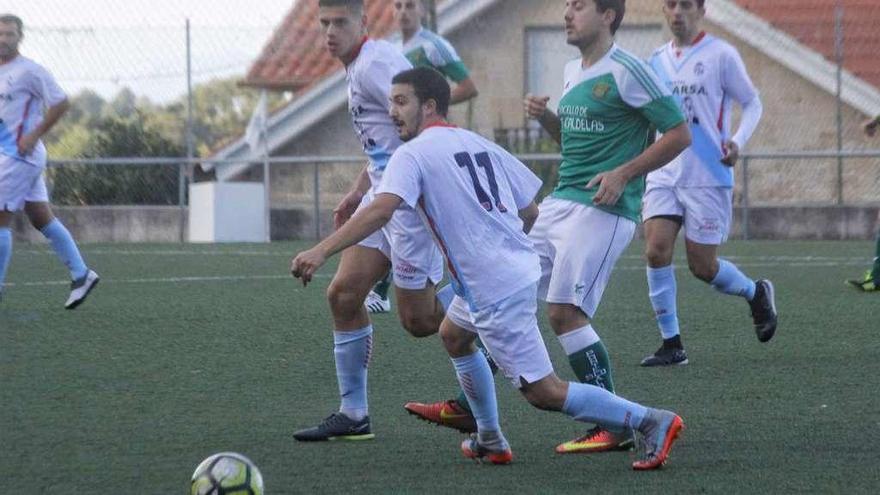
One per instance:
(186,350)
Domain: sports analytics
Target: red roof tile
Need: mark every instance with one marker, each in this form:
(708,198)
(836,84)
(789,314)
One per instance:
(295,58)
(811,22)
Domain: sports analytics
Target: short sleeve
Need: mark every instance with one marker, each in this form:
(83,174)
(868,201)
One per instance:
(46,88)
(443,56)
(641,89)
(403,177)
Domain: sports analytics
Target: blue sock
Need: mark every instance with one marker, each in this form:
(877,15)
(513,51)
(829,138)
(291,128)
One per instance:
(5,252)
(592,404)
(662,291)
(352,351)
(65,247)
(445,295)
(475,379)
(730,280)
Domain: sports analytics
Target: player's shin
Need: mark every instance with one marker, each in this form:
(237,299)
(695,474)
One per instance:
(730,280)
(662,292)
(593,404)
(352,351)
(475,378)
(65,248)
(5,252)
(588,357)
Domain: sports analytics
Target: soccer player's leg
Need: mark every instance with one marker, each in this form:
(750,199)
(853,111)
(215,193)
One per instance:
(458,333)
(377,300)
(707,222)
(664,215)
(587,242)
(871,281)
(360,267)
(83,280)
(5,246)
(17,179)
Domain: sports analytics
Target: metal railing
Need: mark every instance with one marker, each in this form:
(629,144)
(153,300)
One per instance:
(330,177)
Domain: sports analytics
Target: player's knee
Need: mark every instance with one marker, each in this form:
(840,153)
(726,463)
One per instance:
(702,269)
(658,255)
(419,325)
(343,300)
(563,316)
(456,343)
(541,397)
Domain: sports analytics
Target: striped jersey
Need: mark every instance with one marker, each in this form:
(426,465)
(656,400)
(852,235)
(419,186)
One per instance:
(605,112)
(428,49)
(470,191)
(706,78)
(26,90)
(369,88)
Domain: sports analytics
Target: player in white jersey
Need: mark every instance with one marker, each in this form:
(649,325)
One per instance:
(479,203)
(26,90)
(696,189)
(423,48)
(403,244)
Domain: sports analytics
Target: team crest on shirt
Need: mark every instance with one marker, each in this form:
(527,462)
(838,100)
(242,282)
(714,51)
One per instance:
(699,69)
(601,89)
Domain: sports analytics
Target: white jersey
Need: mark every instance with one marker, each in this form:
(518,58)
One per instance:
(369,88)
(26,89)
(470,192)
(706,77)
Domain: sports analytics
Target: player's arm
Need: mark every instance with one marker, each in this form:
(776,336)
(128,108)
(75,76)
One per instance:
(463,91)
(53,114)
(611,184)
(736,82)
(345,209)
(364,223)
(751,116)
(536,109)
(529,215)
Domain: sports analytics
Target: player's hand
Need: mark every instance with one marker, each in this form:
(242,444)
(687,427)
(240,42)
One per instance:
(306,263)
(731,153)
(26,144)
(345,209)
(870,127)
(611,185)
(535,106)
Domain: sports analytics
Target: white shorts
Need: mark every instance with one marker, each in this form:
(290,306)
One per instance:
(20,182)
(415,258)
(509,330)
(578,246)
(706,211)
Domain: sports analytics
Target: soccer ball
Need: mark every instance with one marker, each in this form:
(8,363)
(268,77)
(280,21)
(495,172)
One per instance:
(227,473)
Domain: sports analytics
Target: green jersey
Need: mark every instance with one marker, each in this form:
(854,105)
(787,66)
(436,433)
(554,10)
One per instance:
(605,113)
(427,49)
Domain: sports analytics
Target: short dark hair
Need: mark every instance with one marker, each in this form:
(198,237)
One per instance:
(357,5)
(428,84)
(12,19)
(619,8)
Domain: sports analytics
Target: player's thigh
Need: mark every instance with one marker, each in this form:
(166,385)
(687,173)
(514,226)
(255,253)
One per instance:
(419,310)
(588,244)
(708,214)
(415,258)
(660,235)
(17,180)
(509,330)
(360,268)
(39,213)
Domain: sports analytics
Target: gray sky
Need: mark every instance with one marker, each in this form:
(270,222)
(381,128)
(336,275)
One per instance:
(106,45)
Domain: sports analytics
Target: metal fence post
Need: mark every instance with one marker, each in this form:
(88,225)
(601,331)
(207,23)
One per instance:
(181,198)
(316,182)
(745,198)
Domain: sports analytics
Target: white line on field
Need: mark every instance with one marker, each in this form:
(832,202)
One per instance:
(238,278)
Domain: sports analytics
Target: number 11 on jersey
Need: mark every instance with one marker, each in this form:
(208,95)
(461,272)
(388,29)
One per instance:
(464,160)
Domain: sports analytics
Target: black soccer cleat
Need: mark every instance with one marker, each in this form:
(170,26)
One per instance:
(81,288)
(337,426)
(666,356)
(764,310)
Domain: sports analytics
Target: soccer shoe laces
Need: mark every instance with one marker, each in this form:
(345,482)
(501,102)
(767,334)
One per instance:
(591,434)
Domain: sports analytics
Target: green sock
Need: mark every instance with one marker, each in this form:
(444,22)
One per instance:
(592,365)
(461,400)
(875,272)
(382,287)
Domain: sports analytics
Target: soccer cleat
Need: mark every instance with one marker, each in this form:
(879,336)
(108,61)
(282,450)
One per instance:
(473,449)
(376,304)
(659,430)
(337,426)
(445,413)
(597,439)
(764,310)
(866,284)
(666,356)
(80,289)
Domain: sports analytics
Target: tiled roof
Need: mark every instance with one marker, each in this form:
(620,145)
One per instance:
(811,22)
(295,58)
